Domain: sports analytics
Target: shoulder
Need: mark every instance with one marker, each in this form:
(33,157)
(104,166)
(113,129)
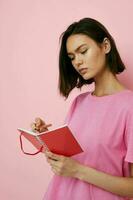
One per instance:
(124,102)
(129,93)
(82,96)
(128,99)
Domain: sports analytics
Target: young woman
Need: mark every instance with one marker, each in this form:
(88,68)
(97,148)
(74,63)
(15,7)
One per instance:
(102,120)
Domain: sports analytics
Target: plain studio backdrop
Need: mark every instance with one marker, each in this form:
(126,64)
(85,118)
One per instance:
(29,49)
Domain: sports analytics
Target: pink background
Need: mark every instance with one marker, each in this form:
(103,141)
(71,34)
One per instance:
(29,46)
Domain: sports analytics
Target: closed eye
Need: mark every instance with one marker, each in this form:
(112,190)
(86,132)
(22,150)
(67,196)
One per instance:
(83,52)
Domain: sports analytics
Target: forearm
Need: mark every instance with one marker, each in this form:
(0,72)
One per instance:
(122,186)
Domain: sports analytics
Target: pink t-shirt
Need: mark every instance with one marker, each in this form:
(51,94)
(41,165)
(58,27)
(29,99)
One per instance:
(104,128)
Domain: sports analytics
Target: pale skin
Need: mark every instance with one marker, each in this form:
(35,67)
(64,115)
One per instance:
(106,83)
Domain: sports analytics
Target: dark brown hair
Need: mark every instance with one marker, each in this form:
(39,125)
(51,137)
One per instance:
(69,78)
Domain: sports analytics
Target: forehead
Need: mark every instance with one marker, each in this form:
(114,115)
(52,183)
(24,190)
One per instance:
(76,40)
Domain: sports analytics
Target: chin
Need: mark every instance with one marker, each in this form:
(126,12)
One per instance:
(86,77)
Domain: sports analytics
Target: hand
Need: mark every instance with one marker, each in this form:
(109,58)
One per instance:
(62,165)
(39,125)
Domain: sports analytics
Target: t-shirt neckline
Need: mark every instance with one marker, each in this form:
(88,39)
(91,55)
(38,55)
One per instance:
(107,96)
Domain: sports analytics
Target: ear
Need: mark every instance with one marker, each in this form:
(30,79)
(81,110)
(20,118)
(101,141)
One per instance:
(106,45)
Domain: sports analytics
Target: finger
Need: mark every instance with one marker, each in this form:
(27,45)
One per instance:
(45,127)
(36,128)
(33,127)
(38,121)
(45,152)
(52,162)
(48,125)
(54,156)
(55,171)
(37,124)
(41,126)
(49,157)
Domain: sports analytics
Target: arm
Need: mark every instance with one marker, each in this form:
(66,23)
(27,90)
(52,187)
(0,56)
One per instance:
(122,186)
(65,166)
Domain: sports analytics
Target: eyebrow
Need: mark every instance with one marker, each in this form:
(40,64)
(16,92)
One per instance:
(76,49)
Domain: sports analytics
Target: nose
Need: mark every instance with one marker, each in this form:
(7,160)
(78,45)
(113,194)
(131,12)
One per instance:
(78,61)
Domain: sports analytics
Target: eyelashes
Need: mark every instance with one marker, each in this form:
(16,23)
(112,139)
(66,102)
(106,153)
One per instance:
(83,52)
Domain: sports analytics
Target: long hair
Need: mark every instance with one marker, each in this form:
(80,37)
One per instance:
(69,78)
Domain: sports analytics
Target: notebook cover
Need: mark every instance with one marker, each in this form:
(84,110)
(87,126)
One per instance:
(31,138)
(60,141)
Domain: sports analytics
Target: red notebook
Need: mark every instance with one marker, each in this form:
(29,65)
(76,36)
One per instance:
(60,141)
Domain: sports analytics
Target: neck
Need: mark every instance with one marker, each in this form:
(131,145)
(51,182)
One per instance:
(107,84)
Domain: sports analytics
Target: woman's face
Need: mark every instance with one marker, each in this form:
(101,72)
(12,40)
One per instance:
(88,59)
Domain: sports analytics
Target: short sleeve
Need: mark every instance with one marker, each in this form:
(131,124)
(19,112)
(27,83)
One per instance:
(70,111)
(129,137)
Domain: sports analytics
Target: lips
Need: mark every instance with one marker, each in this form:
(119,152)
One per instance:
(83,70)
